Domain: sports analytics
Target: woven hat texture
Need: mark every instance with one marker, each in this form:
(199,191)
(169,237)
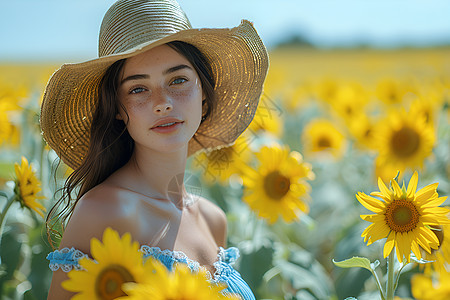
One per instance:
(237,56)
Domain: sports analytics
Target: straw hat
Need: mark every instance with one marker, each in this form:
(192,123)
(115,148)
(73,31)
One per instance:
(238,59)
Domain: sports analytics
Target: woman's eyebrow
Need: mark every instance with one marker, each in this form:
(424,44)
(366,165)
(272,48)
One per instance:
(146,76)
(176,68)
(135,77)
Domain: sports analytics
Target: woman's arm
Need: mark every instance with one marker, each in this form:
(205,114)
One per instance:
(85,223)
(57,292)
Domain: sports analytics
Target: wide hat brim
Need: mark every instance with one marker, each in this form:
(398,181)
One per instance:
(239,63)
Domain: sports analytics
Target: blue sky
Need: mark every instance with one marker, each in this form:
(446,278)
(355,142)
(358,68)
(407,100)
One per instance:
(67,30)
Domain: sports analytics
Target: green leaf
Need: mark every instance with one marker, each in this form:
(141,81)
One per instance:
(362,262)
(253,265)
(358,262)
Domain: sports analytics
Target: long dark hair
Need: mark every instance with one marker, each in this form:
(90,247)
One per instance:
(110,145)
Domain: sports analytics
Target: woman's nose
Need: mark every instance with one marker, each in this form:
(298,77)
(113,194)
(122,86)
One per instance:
(163,104)
(162,107)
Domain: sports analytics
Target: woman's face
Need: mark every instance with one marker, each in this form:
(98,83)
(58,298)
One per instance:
(157,87)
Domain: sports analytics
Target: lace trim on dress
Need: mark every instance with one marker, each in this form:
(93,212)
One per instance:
(225,258)
(66,259)
(169,258)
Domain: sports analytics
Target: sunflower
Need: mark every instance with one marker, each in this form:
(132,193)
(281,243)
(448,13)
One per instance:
(404,216)
(426,108)
(279,186)
(27,186)
(393,91)
(404,141)
(327,89)
(116,261)
(362,128)
(179,284)
(321,137)
(423,287)
(221,163)
(349,101)
(9,111)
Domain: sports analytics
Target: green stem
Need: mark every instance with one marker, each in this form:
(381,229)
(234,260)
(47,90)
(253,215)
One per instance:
(377,280)
(5,210)
(391,278)
(397,278)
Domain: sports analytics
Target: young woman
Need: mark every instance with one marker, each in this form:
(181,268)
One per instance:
(126,122)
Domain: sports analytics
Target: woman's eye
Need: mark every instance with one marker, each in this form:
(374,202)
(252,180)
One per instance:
(178,81)
(137,90)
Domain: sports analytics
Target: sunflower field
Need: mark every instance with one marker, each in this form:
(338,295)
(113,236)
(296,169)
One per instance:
(336,188)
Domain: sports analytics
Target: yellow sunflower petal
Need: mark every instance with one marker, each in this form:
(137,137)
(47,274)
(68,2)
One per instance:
(389,245)
(387,199)
(372,218)
(423,242)
(366,232)
(430,236)
(383,189)
(370,203)
(399,246)
(378,232)
(416,249)
(397,190)
(427,192)
(435,202)
(412,186)
(97,249)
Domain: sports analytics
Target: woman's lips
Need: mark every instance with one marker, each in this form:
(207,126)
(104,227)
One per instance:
(167,129)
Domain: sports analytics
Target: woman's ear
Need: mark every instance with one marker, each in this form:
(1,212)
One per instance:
(119,117)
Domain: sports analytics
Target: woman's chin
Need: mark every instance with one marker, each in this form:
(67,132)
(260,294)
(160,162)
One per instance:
(166,148)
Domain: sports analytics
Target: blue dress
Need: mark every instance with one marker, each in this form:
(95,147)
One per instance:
(67,259)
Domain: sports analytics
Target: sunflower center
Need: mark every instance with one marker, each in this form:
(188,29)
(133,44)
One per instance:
(324,142)
(276,185)
(402,216)
(405,142)
(392,96)
(109,282)
(349,110)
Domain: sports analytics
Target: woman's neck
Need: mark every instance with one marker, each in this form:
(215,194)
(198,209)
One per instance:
(158,175)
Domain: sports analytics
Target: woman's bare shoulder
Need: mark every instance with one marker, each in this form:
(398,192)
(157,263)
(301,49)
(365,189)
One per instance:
(216,219)
(99,208)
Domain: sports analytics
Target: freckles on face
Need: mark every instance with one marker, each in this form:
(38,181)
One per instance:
(191,90)
(159,83)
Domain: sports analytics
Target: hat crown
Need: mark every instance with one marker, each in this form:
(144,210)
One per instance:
(129,23)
